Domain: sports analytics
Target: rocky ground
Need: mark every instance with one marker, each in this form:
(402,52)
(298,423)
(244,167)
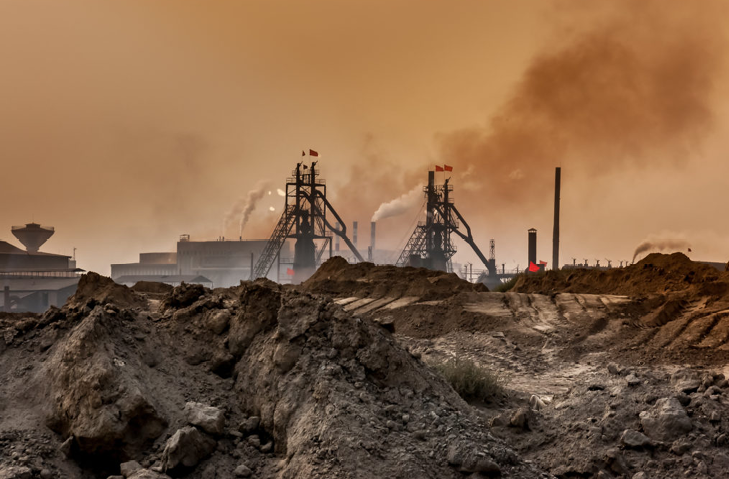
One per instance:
(334,378)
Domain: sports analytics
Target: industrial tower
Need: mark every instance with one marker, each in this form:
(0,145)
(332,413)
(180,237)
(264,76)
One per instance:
(304,219)
(430,245)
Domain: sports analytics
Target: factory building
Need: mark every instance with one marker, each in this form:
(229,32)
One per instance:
(219,263)
(31,280)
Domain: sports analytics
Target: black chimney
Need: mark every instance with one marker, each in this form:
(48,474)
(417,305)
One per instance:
(555,236)
(532,247)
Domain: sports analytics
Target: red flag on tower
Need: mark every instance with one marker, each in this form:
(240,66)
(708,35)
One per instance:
(313,153)
(447,168)
(289,271)
(438,168)
(543,262)
(533,268)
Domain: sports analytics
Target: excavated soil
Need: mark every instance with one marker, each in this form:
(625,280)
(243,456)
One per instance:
(655,274)
(605,374)
(337,276)
(256,381)
(586,352)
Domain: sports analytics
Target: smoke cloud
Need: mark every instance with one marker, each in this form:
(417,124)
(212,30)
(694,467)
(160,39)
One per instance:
(661,245)
(376,176)
(399,205)
(243,208)
(630,89)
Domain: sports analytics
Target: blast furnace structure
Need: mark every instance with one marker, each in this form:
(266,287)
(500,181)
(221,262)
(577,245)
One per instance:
(430,245)
(305,220)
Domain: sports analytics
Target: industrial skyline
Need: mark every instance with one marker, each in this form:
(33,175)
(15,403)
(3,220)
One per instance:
(127,125)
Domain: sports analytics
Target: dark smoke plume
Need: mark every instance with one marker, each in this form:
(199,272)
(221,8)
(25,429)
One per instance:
(661,245)
(632,90)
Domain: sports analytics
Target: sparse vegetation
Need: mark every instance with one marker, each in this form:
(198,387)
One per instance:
(470,380)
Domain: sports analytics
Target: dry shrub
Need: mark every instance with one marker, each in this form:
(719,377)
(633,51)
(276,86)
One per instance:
(471,381)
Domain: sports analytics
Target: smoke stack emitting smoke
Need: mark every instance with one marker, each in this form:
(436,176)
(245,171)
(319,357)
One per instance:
(662,246)
(399,205)
(243,208)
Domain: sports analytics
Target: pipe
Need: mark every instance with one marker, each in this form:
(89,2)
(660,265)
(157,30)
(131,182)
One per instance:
(354,233)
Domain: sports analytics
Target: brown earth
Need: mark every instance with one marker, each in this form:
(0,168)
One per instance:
(553,338)
(655,274)
(336,276)
(310,382)
(294,386)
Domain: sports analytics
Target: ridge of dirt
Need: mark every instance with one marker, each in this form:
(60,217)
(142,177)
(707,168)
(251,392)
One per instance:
(655,274)
(337,276)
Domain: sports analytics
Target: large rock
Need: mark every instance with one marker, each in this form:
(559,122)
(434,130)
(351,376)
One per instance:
(187,447)
(685,381)
(472,461)
(665,421)
(210,419)
(635,439)
(147,474)
(128,468)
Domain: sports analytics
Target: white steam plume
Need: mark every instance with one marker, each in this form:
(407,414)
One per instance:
(245,206)
(399,205)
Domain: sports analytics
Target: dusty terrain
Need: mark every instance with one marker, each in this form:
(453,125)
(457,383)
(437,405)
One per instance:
(605,374)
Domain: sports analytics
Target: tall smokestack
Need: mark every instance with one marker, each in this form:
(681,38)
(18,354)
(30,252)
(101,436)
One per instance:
(336,238)
(354,233)
(532,247)
(555,235)
(373,236)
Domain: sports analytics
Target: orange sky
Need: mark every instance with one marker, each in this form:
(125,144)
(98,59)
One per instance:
(125,124)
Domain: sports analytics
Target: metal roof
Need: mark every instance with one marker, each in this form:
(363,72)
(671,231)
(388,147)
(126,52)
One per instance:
(7,248)
(37,284)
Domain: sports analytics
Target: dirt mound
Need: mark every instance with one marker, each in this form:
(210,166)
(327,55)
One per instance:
(655,274)
(151,287)
(205,383)
(97,289)
(338,277)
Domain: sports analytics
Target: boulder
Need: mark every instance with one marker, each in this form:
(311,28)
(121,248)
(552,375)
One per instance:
(130,467)
(147,474)
(250,425)
(208,418)
(187,447)
(666,420)
(472,461)
(635,439)
(243,471)
(685,381)
(521,418)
